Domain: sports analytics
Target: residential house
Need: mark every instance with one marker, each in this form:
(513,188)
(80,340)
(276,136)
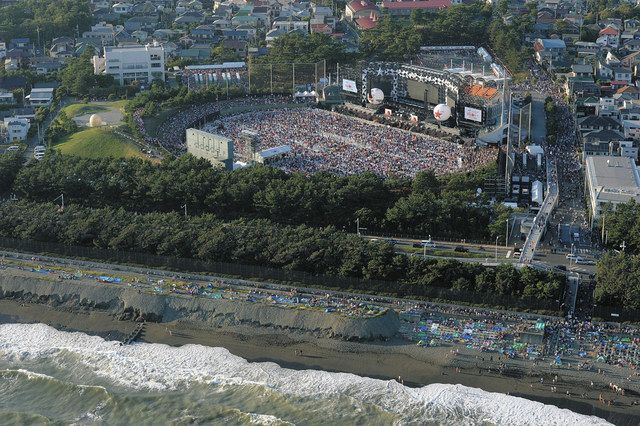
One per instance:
(609,36)
(604,72)
(7,98)
(146,8)
(104,32)
(222,24)
(204,34)
(264,15)
(582,70)
(3,49)
(597,122)
(549,50)
(189,18)
(621,75)
(253,21)
(251,31)
(585,48)
(586,106)
(632,45)
(40,96)
(600,142)
(291,23)
(62,47)
(121,8)
(17,128)
(630,93)
(359,8)
(141,23)
(235,35)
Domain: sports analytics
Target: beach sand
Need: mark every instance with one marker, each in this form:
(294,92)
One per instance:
(387,360)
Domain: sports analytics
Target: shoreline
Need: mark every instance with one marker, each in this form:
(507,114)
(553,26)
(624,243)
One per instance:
(386,360)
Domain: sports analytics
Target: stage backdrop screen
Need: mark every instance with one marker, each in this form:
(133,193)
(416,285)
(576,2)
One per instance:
(473,114)
(349,86)
(416,90)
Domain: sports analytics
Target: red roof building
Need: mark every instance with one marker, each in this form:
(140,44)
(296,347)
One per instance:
(610,31)
(359,8)
(367,22)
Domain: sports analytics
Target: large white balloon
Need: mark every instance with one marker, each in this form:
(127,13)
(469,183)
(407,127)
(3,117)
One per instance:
(442,112)
(95,121)
(377,96)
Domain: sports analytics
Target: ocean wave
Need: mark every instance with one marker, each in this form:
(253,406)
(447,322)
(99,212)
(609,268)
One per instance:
(160,368)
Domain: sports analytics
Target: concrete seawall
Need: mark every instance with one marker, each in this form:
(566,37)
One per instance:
(130,304)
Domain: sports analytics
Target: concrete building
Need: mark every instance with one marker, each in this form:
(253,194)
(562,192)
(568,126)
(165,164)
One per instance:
(610,181)
(210,146)
(132,63)
(16,128)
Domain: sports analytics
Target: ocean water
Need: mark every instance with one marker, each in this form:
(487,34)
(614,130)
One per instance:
(53,377)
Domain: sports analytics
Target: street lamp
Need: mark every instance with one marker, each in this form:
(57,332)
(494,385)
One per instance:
(497,238)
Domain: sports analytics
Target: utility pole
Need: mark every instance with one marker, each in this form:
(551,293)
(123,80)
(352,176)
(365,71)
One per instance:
(506,236)
(497,238)
(185,209)
(623,246)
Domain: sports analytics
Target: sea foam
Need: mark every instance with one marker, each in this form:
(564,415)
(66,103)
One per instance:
(159,367)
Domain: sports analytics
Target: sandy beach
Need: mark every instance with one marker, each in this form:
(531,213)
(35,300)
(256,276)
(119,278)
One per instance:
(388,360)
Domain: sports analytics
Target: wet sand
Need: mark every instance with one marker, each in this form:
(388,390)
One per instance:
(388,360)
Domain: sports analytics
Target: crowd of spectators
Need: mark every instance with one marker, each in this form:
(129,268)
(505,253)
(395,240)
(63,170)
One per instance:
(326,141)
(171,133)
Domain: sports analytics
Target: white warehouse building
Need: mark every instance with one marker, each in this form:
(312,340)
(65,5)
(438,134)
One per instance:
(610,180)
(131,63)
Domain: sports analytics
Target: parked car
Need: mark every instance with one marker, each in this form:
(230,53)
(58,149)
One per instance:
(13,148)
(428,243)
(461,249)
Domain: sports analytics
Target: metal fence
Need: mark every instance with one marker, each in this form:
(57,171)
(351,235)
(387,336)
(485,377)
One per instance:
(303,279)
(287,78)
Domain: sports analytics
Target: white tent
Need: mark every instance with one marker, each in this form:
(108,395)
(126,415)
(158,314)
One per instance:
(537,192)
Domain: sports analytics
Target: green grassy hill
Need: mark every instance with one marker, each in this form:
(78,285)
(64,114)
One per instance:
(98,143)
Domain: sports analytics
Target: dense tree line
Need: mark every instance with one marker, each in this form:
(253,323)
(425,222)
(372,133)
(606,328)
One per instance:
(160,97)
(60,127)
(618,272)
(53,18)
(320,251)
(10,164)
(299,48)
(446,206)
(78,79)
(618,280)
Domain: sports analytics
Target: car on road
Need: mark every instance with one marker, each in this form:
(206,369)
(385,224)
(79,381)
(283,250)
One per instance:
(461,249)
(581,261)
(39,148)
(425,243)
(560,267)
(38,155)
(13,148)
(571,256)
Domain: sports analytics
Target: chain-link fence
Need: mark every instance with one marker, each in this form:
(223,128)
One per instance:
(287,78)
